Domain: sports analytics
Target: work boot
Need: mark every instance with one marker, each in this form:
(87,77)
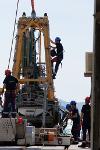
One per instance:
(88,144)
(54,76)
(13,114)
(83,145)
(74,142)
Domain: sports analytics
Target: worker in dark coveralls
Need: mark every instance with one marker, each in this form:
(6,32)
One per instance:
(76,122)
(10,86)
(59,55)
(86,121)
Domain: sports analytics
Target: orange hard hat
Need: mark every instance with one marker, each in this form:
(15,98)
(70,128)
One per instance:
(7,72)
(87,99)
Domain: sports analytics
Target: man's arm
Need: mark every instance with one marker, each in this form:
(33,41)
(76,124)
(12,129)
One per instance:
(4,87)
(52,42)
(81,117)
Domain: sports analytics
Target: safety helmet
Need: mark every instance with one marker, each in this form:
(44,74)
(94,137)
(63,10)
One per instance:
(57,39)
(67,106)
(87,99)
(7,72)
(73,102)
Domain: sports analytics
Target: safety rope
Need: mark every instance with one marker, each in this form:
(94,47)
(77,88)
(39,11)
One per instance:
(13,33)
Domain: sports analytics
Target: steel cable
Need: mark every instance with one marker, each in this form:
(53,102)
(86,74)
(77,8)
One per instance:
(13,33)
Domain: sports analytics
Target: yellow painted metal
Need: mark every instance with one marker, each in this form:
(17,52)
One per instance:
(42,24)
(18,52)
(48,59)
(40,80)
(23,24)
(18,56)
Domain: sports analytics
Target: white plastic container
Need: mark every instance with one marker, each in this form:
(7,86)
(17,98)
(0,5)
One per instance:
(30,135)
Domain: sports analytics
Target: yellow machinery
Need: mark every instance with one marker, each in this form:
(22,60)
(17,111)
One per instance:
(32,67)
(24,65)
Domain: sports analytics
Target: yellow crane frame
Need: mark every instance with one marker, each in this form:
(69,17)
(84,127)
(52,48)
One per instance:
(42,24)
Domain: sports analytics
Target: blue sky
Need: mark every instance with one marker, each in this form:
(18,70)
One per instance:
(73,22)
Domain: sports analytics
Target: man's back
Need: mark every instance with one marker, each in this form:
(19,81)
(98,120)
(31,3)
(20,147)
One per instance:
(10,82)
(59,49)
(86,110)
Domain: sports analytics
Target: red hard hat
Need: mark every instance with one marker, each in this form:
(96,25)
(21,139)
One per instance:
(7,72)
(87,99)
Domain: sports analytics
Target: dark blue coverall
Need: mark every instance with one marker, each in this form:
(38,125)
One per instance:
(10,83)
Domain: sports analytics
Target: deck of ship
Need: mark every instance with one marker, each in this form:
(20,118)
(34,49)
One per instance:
(32,148)
(71,147)
(75,147)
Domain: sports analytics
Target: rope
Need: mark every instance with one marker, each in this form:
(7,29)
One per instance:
(13,33)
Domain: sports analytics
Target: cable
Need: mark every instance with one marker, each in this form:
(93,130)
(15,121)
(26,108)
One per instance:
(32,4)
(13,34)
